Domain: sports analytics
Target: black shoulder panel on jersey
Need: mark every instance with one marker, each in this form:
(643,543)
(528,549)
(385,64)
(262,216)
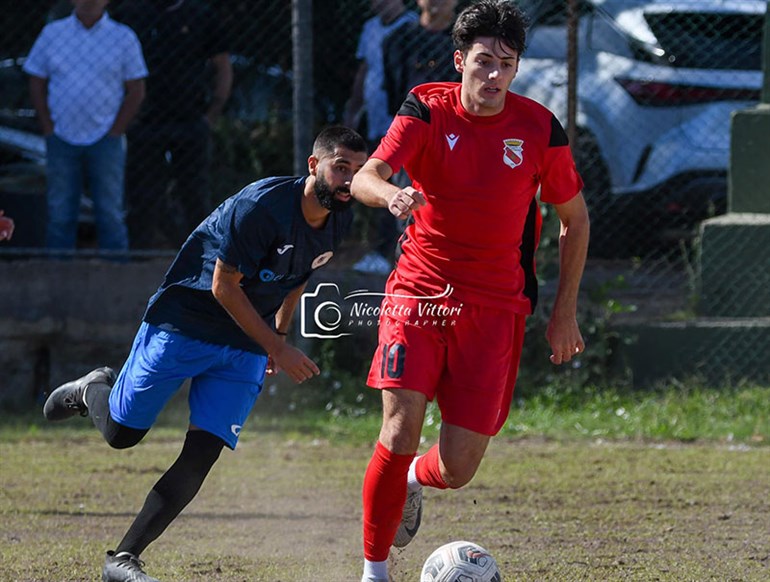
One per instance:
(413,107)
(558,135)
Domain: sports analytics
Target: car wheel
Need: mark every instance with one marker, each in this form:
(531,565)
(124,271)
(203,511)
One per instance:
(609,227)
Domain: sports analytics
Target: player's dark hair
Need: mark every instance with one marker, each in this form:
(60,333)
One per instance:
(500,19)
(336,136)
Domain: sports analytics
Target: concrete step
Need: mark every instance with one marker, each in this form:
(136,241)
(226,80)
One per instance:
(715,350)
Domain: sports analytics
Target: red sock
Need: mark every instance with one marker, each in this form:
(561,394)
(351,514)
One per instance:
(428,471)
(384,496)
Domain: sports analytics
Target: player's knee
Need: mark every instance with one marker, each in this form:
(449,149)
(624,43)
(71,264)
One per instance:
(399,438)
(122,437)
(201,450)
(122,441)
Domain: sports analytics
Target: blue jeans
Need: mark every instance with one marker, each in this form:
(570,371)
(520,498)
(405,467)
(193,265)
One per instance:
(103,165)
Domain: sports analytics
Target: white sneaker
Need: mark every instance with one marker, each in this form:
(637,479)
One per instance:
(373,263)
(410,519)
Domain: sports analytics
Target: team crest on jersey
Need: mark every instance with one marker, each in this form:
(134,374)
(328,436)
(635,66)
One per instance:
(321,260)
(513,152)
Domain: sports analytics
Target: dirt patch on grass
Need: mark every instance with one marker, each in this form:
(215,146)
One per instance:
(283,510)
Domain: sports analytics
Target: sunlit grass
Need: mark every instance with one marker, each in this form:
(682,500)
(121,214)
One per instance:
(676,412)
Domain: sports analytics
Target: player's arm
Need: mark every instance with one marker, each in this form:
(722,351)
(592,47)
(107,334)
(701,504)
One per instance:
(370,186)
(354,106)
(563,333)
(226,287)
(283,319)
(286,311)
(223,84)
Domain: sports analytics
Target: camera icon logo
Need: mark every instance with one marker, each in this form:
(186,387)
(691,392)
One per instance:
(321,313)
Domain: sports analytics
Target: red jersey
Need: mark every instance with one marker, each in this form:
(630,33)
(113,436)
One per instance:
(481,225)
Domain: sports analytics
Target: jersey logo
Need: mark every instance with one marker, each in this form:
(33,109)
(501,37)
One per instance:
(513,152)
(321,260)
(451,139)
(284,248)
(266,275)
(235,429)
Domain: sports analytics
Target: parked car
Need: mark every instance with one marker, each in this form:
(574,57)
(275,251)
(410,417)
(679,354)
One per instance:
(657,82)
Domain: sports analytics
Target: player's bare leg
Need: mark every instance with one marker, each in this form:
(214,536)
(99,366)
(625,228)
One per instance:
(451,463)
(460,454)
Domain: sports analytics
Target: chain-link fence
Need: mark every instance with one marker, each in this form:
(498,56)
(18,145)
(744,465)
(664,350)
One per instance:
(656,85)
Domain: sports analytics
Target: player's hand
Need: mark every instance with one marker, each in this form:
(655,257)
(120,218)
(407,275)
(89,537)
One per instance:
(404,201)
(6,227)
(292,361)
(563,335)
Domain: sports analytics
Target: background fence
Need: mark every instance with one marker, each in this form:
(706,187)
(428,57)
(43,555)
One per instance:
(655,91)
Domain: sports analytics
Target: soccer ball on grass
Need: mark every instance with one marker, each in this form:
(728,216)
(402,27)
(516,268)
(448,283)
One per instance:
(460,562)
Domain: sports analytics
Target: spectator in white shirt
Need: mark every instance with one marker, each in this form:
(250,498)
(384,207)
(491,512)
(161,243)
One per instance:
(86,83)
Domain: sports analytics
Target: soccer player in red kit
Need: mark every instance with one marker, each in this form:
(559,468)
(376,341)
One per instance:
(452,322)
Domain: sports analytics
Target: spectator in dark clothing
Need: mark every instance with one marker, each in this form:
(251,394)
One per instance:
(190,79)
(420,52)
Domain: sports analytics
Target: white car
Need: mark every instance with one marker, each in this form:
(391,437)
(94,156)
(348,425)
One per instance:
(657,82)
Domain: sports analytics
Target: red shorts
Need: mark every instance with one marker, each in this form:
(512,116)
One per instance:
(465,356)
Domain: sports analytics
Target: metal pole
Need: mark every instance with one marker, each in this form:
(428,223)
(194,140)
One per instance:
(302,96)
(572,62)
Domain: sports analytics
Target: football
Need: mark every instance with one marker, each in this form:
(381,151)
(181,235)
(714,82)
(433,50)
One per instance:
(460,562)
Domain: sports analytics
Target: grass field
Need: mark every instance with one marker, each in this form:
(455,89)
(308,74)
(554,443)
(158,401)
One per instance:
(565,493)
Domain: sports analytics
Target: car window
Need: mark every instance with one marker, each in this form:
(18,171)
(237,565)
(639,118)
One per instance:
(547,42)
(702,40)
(605,36)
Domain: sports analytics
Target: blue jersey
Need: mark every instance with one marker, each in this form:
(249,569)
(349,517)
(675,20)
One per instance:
(260,231)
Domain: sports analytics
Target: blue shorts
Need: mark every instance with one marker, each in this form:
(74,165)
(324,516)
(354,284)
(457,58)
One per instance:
(225,382)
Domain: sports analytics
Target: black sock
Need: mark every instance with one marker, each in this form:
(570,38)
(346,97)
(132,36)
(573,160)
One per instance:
(175,489)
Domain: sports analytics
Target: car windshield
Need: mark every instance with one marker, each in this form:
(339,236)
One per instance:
(701,40)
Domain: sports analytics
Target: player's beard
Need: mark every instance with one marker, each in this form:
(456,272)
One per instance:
(325,195)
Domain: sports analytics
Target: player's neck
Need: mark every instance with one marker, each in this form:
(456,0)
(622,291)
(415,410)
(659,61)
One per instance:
(435,22)
(89,19)
(315,214)
(478,109)
(389,16)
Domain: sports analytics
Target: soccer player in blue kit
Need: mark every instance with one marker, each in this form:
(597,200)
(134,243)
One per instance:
(220,318)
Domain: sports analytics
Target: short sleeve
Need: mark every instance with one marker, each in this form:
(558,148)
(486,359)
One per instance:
(36,63)
(406,135)
(248,232)
(134,66)
(560,181)
(362,40)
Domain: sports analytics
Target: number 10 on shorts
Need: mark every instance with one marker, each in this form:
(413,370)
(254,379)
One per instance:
(393,357)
